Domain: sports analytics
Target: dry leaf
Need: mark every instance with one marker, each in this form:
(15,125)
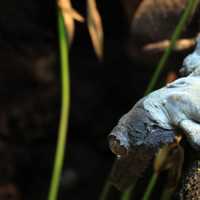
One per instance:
(171,158)
(69,15)
(161,157)
(164,157)
(95,27)
(181,44)
(171,76)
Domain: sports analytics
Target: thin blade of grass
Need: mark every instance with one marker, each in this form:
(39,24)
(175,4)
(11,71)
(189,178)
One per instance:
(65,104)
(95,27)
(128,193)
(105,191)
(150,187)
(181,44)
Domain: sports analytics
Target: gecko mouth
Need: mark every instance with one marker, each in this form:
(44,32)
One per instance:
(116,147)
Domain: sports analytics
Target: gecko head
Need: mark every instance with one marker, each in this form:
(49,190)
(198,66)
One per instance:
(130,133)
(192,61)
(119,141)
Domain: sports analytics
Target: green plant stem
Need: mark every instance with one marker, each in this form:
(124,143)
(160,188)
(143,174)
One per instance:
(127,194)
(63,124)
(105,191)
(192,4)
(150,187)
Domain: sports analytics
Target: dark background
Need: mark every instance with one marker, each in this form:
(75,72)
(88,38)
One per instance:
(101,91)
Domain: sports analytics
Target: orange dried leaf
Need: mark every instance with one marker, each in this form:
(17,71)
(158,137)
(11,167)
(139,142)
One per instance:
(69,15)
(171,76)
(69,24)
(161,157)
(168,156)
(181,44)
(76,16)
(95,27)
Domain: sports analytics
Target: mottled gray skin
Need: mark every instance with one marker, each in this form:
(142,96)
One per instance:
(153,120)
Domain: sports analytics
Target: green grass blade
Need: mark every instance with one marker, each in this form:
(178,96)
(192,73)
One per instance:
(105,191)
(63,124)
(127,194)
(150,187)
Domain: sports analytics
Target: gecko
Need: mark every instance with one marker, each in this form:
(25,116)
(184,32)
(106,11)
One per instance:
(153,121)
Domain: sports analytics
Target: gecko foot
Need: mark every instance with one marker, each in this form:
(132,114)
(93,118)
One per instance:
(192,132)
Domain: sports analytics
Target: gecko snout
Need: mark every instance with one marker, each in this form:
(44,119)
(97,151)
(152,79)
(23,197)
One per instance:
(116,147)
(119,143)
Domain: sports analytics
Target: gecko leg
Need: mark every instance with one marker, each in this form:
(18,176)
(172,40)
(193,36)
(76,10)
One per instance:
(176,106)
(192,132)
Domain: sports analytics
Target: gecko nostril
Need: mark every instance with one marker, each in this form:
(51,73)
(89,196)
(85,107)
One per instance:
(116,147)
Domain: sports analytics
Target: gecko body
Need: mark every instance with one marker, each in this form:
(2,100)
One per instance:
(153,121)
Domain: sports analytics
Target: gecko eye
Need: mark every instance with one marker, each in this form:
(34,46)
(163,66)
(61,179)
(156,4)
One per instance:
(116,147)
